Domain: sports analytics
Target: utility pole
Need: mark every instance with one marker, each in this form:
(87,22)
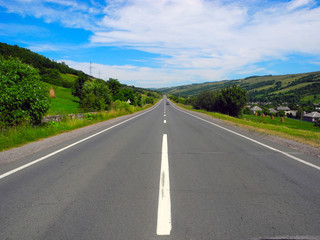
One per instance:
(99,74)
(90,69)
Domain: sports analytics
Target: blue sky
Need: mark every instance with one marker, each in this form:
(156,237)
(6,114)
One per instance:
(160,43)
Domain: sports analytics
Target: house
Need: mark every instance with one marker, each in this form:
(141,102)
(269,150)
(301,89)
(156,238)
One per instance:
(272,110)
(285,109)
(255,109)
(292,113)
(311,117)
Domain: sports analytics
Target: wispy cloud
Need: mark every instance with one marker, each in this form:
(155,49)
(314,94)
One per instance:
(69,13)
(195,40)
(145,76)
(218,35)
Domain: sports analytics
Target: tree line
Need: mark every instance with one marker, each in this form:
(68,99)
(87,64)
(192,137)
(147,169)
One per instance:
(24,98)
(229,100)
(97,95)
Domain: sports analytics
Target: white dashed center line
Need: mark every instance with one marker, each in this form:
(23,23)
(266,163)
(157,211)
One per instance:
(164,204)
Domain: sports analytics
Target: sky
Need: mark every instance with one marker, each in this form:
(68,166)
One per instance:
(163,43)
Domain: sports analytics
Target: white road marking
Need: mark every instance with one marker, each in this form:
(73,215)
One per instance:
(255,141)
(69,146)
(164,121)
(164,115)
(164,203)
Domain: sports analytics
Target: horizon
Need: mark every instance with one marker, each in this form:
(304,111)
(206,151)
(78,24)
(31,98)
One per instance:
(169,43)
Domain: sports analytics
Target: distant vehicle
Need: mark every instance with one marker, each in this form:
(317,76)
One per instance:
(168,103)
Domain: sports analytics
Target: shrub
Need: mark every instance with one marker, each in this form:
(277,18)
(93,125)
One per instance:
(23,97)
(150,100)
(96,96)
(317,123)
(120,105)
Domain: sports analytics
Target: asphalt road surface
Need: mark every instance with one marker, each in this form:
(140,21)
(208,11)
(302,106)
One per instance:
(162,175)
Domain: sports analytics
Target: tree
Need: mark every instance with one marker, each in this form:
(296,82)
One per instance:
(231,100)
(114,85)
(125,94)
(78,86)
(23,97)
(205,101)
(281,113)
(299,113)
(96,95)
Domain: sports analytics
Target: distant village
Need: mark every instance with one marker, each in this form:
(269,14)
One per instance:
(259,108)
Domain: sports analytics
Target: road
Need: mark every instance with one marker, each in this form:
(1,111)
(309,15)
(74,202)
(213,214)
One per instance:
(163,175)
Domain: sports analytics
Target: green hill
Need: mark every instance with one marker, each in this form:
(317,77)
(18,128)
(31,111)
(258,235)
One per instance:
(62,79)
(282,88)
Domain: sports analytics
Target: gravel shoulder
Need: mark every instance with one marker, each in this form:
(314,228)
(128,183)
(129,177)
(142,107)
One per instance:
(34,147)
(17,153)
(296,146)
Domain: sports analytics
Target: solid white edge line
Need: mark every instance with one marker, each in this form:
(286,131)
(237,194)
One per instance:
(71,145)
(164,203)
(255,141)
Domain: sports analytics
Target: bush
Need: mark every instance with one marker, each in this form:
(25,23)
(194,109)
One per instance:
(205,101)
(120,105)
(96,96)
(23,97)
(317,123)
(150,100)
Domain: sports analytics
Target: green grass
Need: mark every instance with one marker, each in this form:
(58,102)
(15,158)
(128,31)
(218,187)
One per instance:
(195,89)
(288,122)
(64,103)
(296,130)
(69,77)
(311,98)
(18,136)
(293,87)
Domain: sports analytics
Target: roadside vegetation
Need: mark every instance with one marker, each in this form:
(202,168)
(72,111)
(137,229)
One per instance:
(300,131)
(64,102)
(229,104)
(229,100)
(33,86)
(295,89)
(22,134)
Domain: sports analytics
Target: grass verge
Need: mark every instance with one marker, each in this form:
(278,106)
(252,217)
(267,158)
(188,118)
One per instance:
(64,103)
(20,135)
(303,132)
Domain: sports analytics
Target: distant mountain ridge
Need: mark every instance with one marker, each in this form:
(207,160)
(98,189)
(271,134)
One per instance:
(280,88)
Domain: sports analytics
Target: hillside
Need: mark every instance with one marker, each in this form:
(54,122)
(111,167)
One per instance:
(282,88)
(68,84)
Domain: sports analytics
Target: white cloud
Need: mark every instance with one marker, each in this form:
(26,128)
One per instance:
(70,13)
(197,40)
(299,3)
(201,34)
(146,76)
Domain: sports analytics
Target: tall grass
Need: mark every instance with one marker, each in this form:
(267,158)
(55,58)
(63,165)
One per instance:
(296,130)
(20,135)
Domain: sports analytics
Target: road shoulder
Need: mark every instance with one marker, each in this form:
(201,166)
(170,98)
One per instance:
(294,145)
